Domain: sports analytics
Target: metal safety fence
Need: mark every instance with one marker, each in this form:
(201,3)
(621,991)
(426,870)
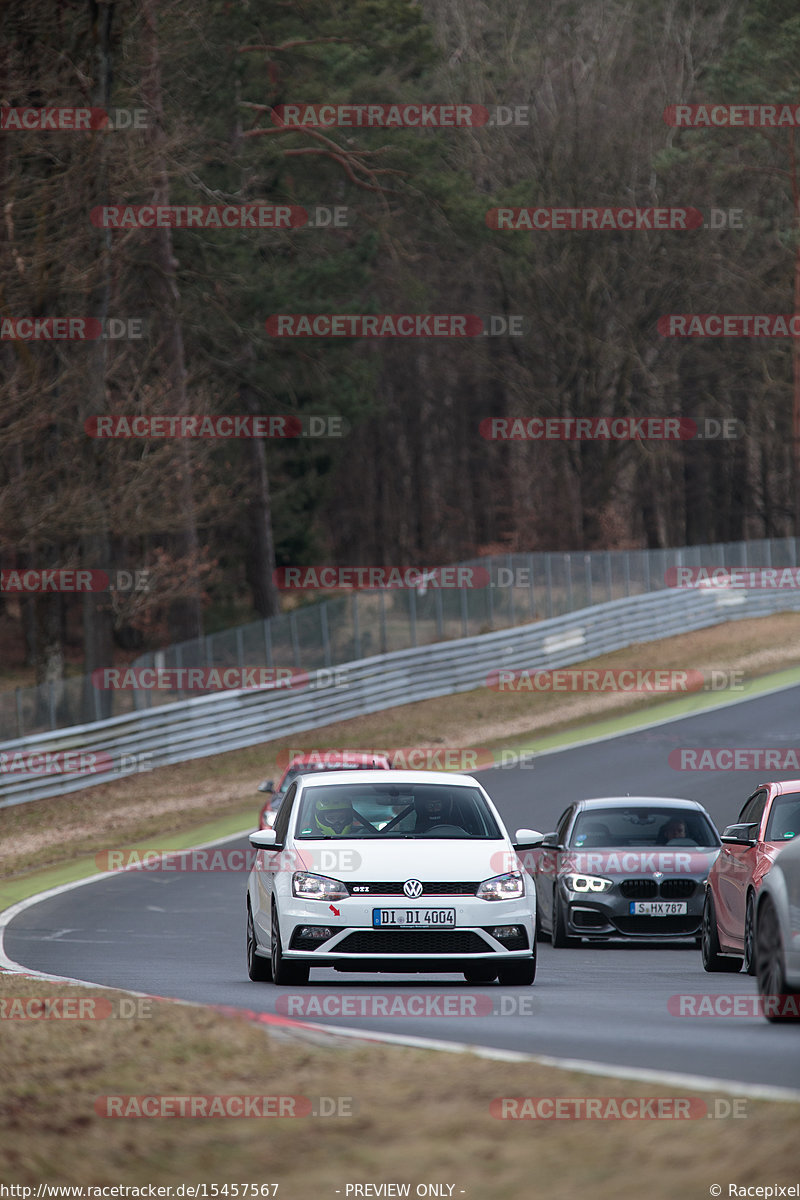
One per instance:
(212,724)
(507,590)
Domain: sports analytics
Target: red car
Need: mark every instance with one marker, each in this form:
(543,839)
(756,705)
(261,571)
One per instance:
(769,819)
(315,760)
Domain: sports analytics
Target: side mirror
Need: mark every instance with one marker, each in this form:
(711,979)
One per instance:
(550,841)
(526,839)
(740,835)
(264,839)
(266,785)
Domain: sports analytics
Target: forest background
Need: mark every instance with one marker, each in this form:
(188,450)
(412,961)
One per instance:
(412,481)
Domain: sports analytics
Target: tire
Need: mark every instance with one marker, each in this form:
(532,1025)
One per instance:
(713,960)
(749,936)
(541,936)
(480,974)
(560,938)
(518,973)
(769,964)
(259,969)
(284,974)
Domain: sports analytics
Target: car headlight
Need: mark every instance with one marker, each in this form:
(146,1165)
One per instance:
(317,887)
(502,887)
(587,883)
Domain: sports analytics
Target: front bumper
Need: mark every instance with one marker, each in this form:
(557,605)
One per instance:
(355,940)
(608,915)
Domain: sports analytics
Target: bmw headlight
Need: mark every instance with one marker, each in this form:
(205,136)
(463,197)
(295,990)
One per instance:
(502,887)
(587,883)
(317,887)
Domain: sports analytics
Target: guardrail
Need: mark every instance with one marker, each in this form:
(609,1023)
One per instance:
(508,590)
(207,725)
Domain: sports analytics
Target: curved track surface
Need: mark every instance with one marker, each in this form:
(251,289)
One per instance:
(181,934)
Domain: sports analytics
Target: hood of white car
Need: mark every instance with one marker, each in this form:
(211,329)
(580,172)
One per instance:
(442,859)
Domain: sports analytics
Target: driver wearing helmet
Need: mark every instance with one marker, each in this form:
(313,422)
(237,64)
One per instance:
(334,817)
(432,809)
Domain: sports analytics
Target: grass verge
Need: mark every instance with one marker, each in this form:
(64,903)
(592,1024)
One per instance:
(416,1116)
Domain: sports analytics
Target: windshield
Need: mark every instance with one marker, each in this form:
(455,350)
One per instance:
(392,810)
(618,827)
(784,819)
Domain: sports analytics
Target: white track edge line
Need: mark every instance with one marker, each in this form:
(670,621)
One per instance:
(665,1078)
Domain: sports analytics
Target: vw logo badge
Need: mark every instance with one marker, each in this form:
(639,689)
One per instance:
(658,874)
(412,888)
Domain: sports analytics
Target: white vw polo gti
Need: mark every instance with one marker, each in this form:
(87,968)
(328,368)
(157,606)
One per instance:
(407,871)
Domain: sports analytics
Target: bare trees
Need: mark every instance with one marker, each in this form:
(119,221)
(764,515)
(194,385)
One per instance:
(414,479)
(596,80)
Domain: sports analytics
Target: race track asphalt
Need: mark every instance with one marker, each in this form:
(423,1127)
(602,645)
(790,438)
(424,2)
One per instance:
(181,933)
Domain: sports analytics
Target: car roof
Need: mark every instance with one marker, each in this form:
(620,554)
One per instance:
(779,787)
(445,778)
(639,802)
